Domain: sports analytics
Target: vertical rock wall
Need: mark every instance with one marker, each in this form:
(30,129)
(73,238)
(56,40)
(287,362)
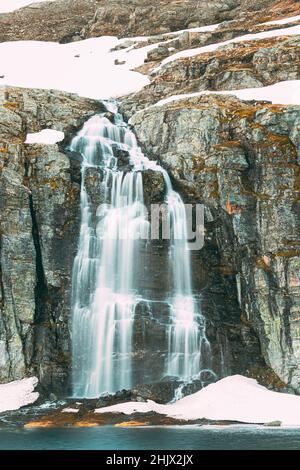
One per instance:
(39,189)
(241,160)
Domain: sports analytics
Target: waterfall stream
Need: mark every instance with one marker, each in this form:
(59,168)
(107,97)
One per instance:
(105,279)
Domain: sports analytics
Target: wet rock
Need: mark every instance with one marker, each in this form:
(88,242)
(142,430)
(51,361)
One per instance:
(123,159)
(122,396)
(110,116)
(160,392)
(151,323)
(206,377)
(154,187)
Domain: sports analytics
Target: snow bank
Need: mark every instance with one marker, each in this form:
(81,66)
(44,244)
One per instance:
(46,136)
(12,5)
(287,93)
(291,19)
(201,29)
(91,68)
(234,398)
(247,37)
(19,393)
(70,410)
(85,67)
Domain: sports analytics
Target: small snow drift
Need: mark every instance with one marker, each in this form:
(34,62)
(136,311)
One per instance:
(46,136)
(200,29)
(16,394)
(234,398)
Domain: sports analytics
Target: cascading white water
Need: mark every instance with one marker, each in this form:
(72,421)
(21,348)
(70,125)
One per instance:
(188,345)
(104,296)
(105,293)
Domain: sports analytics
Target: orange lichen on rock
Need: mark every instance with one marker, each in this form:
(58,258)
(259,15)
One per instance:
(284,7)
(128,424)
(86,424)
(232,208)
(11,105)
(39,424)
(263,263)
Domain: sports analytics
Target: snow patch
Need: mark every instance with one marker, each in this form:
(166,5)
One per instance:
(11,5)
(45,136)
(291,19)
(70,410)
(201,29)
(16,394)
(287,93)
(234,398)
(89,68)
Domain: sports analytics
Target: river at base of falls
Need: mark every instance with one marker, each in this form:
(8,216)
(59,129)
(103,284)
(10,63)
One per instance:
(153,438)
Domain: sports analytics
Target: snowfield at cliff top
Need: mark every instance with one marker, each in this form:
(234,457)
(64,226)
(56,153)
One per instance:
(85,67)
(92,68)
(234,398)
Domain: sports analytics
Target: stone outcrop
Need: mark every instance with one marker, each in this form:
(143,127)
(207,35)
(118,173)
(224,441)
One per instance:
(240,159)
(60,21)
(70,20)
(250,64)
(139,17)
(39,234)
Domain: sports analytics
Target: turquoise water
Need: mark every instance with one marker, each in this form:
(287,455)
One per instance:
(159,438)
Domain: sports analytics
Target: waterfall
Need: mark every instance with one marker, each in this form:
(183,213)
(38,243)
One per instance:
(104,287)
(189,349)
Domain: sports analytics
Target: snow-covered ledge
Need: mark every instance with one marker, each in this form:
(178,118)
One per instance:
(16,394)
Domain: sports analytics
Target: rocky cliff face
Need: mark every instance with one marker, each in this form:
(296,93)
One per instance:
(240,159)
(40,216)
(138,17)
(40,188)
